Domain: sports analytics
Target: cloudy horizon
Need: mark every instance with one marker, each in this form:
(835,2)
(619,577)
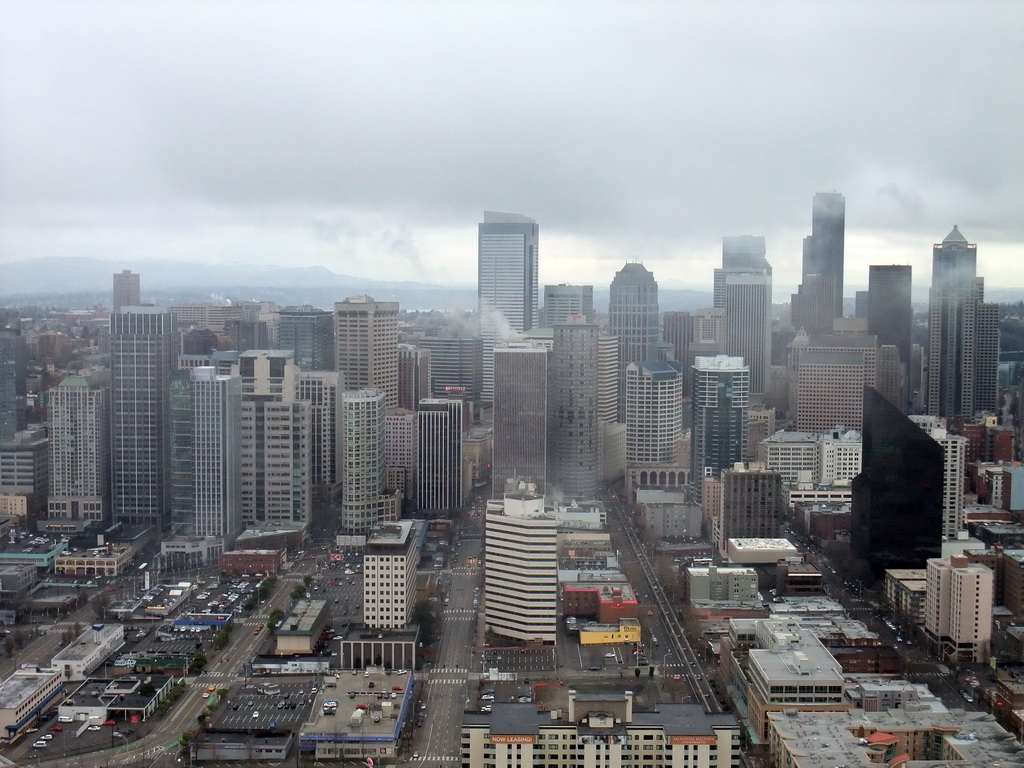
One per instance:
(368,138)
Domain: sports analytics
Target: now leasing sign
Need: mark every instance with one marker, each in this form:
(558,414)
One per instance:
(513,739)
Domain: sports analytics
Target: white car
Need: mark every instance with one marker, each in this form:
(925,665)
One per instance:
(94,728)
(40,744)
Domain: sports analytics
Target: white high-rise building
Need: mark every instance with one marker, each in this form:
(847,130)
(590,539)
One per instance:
(366,345)
(79,447)
(321,390)
(958,609)
(840,461)
(954,461)
(654,412)
(389,574)
(507,290)
(216,459)
(362,456)
(521,569)
(275,442)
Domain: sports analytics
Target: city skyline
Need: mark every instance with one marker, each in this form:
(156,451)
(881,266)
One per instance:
(131,151)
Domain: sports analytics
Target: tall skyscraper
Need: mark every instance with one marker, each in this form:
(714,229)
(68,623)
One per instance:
(573,425)
(891,316)
(13,360)
(897,497)
(439,455)
(607,378)
(563,302)
(521,574)
(654,412)
(126,290)
(362,483)
(721,397)
(206,476)
(309,333)
(143,355)
(507,300)
(520,415)
(366,345)
(275,441)
(677,330)
(959,596)
(413,375)
(633,317)
(78,426)
(963,333)
(322,390)
(633,313)
(819,299)
(743,290)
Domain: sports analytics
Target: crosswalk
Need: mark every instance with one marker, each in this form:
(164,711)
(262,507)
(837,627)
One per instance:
(461,613)
(438,758)
(448,680)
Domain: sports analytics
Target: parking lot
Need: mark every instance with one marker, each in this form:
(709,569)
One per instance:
(246,708)
(60,739)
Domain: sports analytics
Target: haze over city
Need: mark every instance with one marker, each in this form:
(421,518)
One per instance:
(357,136)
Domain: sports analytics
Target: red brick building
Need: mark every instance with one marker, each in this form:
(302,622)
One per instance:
(252,561)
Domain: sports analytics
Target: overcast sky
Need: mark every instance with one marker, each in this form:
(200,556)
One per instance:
(368,138)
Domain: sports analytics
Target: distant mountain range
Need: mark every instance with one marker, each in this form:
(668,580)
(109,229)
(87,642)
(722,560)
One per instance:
(83,283)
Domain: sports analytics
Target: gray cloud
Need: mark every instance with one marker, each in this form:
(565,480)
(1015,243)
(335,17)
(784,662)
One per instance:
(365,135)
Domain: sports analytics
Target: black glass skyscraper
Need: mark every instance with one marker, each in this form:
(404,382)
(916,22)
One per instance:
(890,315)
(897,497)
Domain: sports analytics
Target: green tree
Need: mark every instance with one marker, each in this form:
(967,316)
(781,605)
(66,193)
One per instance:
(423,615)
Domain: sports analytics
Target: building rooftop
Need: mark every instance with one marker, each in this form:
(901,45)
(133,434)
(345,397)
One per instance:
(819,739)
(86,643)
(760,544)
(22,684)
(303,618)
(388,535)
(907,574)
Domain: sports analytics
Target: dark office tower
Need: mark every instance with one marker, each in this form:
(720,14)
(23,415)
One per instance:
(507,300)
(573,426)
(247,334)
(721,397)
(897,497)
(126,290)
(633,317)
(309,332)
(860,304)
(413,375)
(366,345)
(753,504)
(677,330)
(143,355)
(439,456)
(890,380)
(199,341)
(962,333)
(13,382)
(891,317)
(562,302)
(520,415)
(819,299)
(456,364)
(743,291)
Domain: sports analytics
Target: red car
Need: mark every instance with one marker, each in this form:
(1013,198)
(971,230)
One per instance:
(257,630)
(110,722)
(57,728)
